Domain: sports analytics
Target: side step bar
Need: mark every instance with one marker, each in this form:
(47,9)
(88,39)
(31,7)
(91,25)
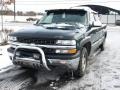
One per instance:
(33,48)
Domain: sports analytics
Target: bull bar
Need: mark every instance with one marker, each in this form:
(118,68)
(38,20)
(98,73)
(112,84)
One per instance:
(33,48)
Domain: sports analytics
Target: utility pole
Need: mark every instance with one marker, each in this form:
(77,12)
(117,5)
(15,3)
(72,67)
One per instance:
(1,31)
(14,10)
(2,4)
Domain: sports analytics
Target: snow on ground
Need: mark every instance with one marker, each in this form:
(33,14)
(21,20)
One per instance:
(110,64)
(16,25)
(4,58)
(18,18)
(19,23)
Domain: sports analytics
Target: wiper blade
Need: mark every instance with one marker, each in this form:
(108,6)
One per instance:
(44,23)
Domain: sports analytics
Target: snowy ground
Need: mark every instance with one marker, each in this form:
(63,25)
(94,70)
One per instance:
(16,25)
(7,18)
(4,59)
(103,72)
(19,23)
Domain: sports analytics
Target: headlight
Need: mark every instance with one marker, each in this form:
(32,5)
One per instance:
(66,42)
(12,38)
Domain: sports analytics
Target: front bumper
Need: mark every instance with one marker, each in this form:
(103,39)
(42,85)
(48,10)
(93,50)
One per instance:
(68,63)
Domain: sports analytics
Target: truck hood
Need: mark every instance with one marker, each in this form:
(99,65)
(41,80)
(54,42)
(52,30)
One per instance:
(52,31)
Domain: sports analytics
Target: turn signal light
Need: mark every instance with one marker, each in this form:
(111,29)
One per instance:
(72,51)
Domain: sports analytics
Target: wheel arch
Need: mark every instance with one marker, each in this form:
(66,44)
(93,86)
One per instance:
(88,47)
(87,44)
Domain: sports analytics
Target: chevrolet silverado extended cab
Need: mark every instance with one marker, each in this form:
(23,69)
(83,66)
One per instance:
(62,38)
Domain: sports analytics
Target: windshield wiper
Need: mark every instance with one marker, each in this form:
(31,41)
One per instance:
(44,23)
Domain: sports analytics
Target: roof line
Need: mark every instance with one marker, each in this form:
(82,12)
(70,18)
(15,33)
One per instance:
(101,6)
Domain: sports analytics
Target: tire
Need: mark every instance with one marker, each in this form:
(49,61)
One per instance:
(102,46)
(82,63)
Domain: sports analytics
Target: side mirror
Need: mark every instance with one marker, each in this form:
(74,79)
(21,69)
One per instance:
(36,22)
(97,24)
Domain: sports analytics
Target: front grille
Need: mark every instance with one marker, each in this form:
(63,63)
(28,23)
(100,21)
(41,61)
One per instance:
(47,51)
(36,41)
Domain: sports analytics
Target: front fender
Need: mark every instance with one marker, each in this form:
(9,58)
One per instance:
(84,41)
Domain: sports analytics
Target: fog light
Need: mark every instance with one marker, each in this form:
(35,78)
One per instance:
(36,56)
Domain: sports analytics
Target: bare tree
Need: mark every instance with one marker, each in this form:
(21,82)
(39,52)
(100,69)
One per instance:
(3,32)
(2,5)
(9,1)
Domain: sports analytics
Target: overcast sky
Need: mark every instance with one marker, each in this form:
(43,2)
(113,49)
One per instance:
(41,5)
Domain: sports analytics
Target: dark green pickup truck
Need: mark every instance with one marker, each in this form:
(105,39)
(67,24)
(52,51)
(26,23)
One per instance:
(62,38)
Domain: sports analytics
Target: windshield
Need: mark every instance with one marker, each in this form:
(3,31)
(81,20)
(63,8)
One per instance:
(65,16)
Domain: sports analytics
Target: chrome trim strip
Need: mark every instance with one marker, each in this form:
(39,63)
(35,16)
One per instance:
(72,63)
(33,48)
(46,46)
(28,59)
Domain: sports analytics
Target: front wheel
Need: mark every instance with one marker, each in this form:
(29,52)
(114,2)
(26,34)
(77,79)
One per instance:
(102,46)
(82,63)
